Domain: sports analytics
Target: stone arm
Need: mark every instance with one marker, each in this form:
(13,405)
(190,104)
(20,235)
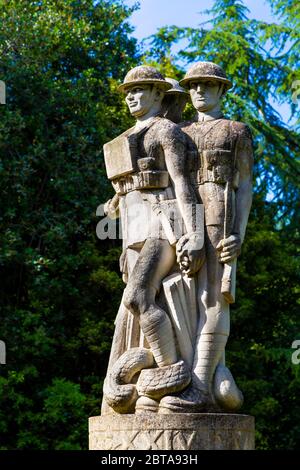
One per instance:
(111,208)
(243,195)
(189,247)
(230,248)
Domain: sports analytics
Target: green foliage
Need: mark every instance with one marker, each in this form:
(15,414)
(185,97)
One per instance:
(61,61)
(265,322)
(56,418)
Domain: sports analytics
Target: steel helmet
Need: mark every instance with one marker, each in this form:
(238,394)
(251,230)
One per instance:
(205,70)
(176,88)
(144,74)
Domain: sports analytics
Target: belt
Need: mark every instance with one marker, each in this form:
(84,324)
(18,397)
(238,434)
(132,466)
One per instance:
(141,180)
(219,175)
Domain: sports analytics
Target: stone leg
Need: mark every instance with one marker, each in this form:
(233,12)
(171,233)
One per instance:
(213,331)
(155,261)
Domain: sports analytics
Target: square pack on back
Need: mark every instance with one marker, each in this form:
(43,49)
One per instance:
(120,155)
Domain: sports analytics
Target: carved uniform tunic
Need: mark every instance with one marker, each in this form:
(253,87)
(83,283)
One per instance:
(215,158)
(214,152)
(215,147)
(147,197)
(148,209)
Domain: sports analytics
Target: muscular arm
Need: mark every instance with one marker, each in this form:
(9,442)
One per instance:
(243,196)
(175,157)
(111,208)
(230,247)
(189,248)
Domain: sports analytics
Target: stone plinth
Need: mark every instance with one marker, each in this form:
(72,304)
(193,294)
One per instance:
(207,431)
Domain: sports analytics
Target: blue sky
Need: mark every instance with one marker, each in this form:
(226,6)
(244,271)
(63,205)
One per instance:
(156,13)
(153,14)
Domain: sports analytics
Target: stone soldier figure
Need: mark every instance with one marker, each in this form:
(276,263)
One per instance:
(147,167)
(172,107)
(174,101)
(223,162)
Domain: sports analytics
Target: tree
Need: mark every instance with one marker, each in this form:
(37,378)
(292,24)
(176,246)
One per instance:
(263,60)
(59,285)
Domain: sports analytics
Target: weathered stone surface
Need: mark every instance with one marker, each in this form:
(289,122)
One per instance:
(172,432)
(221,160)
(180,283)
(147,165)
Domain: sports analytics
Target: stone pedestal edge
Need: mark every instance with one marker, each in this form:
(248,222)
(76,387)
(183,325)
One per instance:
(207,431)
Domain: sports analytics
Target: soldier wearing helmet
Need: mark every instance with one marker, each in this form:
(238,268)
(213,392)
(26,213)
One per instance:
(221,151)
(174,101)
(147,168)
(172,107)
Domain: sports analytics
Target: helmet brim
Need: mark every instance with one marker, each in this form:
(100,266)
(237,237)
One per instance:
(185,82)
(173,91)
(161,83)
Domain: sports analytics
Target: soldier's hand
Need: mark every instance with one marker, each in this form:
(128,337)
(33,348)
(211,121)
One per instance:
(229,248)
(190,253)
(111,208)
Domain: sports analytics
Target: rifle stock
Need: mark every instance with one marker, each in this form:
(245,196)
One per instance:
(228,281)
(229,270)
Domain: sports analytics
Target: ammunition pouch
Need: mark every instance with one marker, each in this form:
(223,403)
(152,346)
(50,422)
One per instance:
(141,180)
(218,167)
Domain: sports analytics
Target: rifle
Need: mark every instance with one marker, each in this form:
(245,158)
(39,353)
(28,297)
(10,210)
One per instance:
(229,270)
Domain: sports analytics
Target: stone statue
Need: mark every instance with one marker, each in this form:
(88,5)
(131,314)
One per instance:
(183,195)
(154,167)
(148,168)
(222,173)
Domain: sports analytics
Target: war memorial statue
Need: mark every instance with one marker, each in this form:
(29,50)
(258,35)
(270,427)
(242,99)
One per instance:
(183,192)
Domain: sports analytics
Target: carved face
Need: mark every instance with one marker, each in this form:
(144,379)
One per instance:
(173,106)
(205,94)
(141,99)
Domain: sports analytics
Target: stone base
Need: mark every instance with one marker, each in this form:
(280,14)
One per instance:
(207,431)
